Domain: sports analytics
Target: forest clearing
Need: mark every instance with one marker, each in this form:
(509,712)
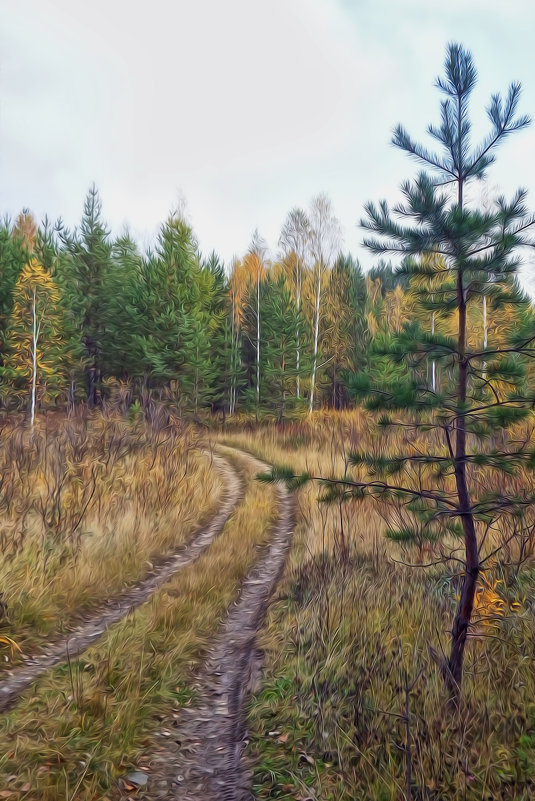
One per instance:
(267,523)
(349,628)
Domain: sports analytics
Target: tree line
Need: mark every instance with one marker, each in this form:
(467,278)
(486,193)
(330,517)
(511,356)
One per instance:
(86,318)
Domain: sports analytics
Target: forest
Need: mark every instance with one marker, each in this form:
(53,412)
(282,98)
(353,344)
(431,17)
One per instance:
(267,528)
(273,337)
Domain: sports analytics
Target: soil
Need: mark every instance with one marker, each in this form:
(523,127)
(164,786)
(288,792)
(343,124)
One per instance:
(203,760)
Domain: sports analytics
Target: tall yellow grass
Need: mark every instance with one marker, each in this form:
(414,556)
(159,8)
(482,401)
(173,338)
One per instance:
(87,506)
(83,725)
(352,627)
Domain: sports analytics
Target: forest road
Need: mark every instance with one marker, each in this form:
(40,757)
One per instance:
(203,761)
(14,682)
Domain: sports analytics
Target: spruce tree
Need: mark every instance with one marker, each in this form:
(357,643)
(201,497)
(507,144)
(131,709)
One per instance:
(122,356)
(84,281)
(283,328)
(169,298)
(14,254)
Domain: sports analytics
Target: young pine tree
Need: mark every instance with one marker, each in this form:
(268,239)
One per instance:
(463,482)
(478,249)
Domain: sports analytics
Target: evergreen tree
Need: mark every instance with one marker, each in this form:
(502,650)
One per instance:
(478,249)
(122,356)
(279,363)
(461,484)
(202,336)
(231,341)
(169,298)
(389,275)
(84,281)
(14,254)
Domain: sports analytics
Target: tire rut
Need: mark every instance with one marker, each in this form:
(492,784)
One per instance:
(92,628)
(203,761)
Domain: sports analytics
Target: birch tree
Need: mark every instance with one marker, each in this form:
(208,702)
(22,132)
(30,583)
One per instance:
(325,243)
(295,239)
(37,358)
(256,265)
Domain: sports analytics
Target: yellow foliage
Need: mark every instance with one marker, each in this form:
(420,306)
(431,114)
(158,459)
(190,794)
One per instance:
(36,286)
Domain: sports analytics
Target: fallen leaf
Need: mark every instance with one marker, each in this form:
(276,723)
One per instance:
(137,778)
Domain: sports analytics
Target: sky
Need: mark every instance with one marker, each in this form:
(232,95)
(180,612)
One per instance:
(239,110)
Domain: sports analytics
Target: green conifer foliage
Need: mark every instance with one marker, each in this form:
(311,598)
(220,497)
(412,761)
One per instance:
(478,248)
(279,364)
(460,484)
(14,254)
(83,278)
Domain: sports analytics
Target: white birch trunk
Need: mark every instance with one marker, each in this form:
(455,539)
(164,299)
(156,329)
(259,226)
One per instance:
(298,307)
(316,335)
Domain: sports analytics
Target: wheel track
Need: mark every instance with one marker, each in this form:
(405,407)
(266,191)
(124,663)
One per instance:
(94,627)
(204,760)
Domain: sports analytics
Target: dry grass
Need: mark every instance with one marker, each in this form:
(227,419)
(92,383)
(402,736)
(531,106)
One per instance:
(84,724)
(352,626)
(86,506)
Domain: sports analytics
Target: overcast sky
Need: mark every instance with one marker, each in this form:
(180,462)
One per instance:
(244,108)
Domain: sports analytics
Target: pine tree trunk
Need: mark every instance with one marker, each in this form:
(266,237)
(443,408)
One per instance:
(463,616)
(485,333)
(433,363)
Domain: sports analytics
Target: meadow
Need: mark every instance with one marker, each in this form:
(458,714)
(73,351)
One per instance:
(353,704)
(89,505)
(86,722)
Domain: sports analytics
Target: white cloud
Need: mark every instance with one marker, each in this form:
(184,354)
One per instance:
(247,106)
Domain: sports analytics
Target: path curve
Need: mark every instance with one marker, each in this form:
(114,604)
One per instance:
(203,761)
(94,627)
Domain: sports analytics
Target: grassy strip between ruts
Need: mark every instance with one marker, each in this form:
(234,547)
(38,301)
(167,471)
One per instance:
(85,723)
